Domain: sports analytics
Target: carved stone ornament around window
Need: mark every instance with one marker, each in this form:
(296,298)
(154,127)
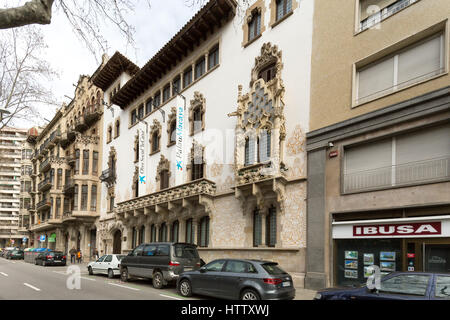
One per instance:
(155,128)
(199,101)
(170,119)
(163,164)
(135,178)
(86,140)
(197,153)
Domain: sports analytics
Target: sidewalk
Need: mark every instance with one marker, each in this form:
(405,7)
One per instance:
(304,294)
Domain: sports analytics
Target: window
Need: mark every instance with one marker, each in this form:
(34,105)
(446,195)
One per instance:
(166,93)
(249,151)
(176,86)
(84,197)
(197,163)
(442,287)
(198,119)
(142,235)
(58,207)
(163,250)
(215,265)
(271,227)
(163,233)
(136,187)
(283,8)
(153,233)
(59,179)
(134,237)
(111,203)
(257,228)
(85,161)
(173,132)
(93,197)
(412,65)
(150,250)
(136,150)
(141,112)
(189,231)
(133,117)
(149,106)
(157,100)
(406,159)
(52,176)
(94,162)
(254,26)
(213,58)
(109,137)
(239,267)
(77,162)
(406,284)
(187,77)
(155,142)
(108,258)
(75,198)
(264,146)
(204,232)
(174,231)
(268,73)
(200,68)
(117,126)
(164,176)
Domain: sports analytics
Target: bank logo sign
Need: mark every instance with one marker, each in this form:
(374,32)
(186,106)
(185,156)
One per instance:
(180,140)
(141,156)
(426,228)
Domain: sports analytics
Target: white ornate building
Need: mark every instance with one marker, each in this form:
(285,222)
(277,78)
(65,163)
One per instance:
(244,79)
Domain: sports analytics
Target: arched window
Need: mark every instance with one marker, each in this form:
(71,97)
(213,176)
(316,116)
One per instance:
(268,73)
(164,178)
(198,117)
(173,132)
(142,235)
(189,231)
(197,162)
(163,233)
(155,142)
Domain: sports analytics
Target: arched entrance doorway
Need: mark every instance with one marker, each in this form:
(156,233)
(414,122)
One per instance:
(117,243)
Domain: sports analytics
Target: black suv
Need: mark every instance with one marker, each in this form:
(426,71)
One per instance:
(162,262)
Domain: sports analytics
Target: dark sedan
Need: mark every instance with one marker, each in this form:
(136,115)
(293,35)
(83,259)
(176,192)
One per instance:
(54,258)
(238,279)
(15,255)
(397,286)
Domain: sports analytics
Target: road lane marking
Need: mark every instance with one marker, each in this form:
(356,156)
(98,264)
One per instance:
(32,287)
(118,285)
(88,279)
(65,274)
(163,295)
(4,274)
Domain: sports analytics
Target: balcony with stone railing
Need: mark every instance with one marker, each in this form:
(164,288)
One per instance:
(92,113)
(172,199)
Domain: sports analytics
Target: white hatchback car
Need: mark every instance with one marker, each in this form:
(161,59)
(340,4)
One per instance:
(108,264)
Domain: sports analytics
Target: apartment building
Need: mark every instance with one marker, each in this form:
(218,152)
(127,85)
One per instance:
(230,93)
(11,140)
(66,170)
(379,145)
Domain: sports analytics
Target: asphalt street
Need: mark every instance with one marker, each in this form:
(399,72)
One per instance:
(24,281)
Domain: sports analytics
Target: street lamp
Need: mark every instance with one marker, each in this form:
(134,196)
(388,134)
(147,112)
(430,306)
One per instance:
(2,112)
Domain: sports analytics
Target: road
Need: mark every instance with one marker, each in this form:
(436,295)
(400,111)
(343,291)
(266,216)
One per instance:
(25,281)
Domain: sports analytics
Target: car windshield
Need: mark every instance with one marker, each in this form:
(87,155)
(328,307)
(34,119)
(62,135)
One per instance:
(120,258)
(186,251)
(273,269)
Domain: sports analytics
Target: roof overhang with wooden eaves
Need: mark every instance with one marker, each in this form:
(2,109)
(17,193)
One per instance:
(214,14)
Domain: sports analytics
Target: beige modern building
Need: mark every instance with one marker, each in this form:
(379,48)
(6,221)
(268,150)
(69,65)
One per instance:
(66,164)
(379,145)
(11,169)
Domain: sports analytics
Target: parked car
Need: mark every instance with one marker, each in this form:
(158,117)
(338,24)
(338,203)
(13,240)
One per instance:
(107,264)
(238,279)
(15,254)
(397,286)
(162,262)
(52,258)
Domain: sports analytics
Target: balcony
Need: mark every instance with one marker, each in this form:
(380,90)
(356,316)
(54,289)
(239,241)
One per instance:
(199,192)
(45,166)
(92,114)
(68,137)
(414,173)
(55,137)
(69,187)
(43,205)
(45,185)
(108,176)
(71,160)
(80,125)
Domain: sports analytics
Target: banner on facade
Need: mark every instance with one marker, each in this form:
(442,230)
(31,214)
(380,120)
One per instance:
(142,168)
(180,142)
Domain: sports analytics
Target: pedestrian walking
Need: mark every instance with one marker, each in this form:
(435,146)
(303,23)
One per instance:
(79,256)
(73,253)
(96,254)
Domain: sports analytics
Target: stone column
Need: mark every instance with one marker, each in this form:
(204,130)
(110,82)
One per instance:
(148,233)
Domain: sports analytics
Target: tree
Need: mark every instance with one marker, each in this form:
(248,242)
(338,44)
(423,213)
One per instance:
(23,71)
(85,17)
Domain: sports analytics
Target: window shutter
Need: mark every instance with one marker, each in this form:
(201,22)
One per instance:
(376,79)
(370,156)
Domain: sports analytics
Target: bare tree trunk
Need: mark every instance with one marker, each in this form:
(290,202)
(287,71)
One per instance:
(32,12)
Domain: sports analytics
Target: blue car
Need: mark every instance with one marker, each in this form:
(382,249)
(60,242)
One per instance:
(397,286)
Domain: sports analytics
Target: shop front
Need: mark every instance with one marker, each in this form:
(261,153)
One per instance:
(403,244)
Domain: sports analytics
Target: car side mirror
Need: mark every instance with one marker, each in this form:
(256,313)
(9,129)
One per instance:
(373,290)
(203,270)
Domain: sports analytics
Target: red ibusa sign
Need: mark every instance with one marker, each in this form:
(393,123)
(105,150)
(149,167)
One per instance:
(410,229)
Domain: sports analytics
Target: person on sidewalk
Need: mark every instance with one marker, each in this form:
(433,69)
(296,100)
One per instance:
(79,256)
(72,252)
(96,254)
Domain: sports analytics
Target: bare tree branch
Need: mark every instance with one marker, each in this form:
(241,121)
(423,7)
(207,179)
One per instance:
(32,12)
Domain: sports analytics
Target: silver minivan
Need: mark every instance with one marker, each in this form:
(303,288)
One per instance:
(162,262)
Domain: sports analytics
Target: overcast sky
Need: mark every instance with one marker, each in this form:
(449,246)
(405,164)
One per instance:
(155,26)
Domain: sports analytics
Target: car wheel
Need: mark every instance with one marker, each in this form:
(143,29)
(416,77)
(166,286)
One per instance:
(90,271)
(250,294)
(157,280)
(110,273)
(185,288)
(124,275)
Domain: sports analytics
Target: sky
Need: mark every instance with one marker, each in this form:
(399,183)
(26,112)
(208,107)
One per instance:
(154,25)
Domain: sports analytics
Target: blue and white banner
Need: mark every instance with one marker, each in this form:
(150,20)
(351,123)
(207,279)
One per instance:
(142,157)
(180,142)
